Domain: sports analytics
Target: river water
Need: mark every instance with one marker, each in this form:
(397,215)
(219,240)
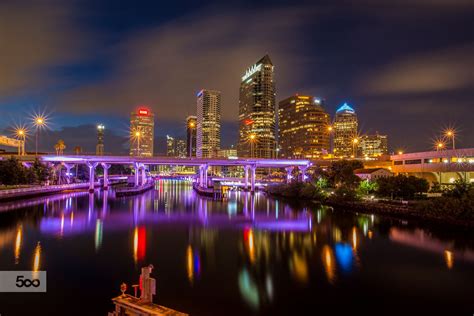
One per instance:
(248,255)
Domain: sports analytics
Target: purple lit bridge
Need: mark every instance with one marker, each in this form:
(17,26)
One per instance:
(140,164)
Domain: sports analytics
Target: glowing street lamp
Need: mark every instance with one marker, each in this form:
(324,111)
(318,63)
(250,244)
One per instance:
(191,125)
(439,146)
(355,141)
(252,139)
(450,134)
(137,137)
(39,121)
(20,133)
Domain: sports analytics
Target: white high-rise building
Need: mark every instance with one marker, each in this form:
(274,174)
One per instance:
(208,123)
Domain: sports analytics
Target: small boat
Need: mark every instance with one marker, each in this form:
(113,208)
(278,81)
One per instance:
(132,305)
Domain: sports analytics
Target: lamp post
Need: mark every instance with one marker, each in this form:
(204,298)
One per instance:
(439,146)
(137,136)
(355,141)
(192,125)
(39,122)
(252,139)
(21,134)
(330,130)
(451,135)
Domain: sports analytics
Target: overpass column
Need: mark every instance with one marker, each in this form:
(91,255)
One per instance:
(246,183)
(200,175)
(289,171)
(303,173)
(136,166)
(92,167)
(106,167)
(68,171)
(252,178)
(143,174)
(205,169)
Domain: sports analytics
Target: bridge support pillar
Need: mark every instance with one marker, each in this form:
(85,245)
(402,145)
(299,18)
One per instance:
(289,171)
(68,171)
(143,174)
(246,183)
(252,179)
(92,167)
(106,175)
(136,166)
(303,173)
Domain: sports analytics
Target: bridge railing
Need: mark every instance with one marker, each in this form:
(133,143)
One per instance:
(45,188)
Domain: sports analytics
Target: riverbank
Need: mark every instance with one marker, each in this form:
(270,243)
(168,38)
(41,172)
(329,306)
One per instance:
(401,211)
(442,210)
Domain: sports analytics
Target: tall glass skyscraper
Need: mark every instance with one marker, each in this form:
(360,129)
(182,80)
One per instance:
(257,134)
(208,123)
(99,148)
(142,125)
(345,132)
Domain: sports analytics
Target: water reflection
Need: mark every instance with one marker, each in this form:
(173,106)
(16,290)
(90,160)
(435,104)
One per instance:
(256,248)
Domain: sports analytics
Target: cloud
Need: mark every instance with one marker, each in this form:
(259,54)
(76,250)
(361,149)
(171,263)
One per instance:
(165,66)
(440,71)
(34,35)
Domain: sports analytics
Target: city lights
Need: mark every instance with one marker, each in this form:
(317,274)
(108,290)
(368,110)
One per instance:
(450,134)
(40,121)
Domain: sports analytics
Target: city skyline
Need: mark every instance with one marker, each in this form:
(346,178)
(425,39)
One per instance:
(81,93)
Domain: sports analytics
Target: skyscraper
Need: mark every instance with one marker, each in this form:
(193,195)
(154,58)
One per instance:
(373,145)
(208,123)
(191,124)
(345,132)
(303,127)
(257,111)
(142,124)
(170,146)
(99,148)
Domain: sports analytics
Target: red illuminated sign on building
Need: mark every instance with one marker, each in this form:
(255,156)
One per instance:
(143,112)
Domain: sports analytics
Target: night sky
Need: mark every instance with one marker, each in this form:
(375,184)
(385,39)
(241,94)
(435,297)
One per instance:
(406,66)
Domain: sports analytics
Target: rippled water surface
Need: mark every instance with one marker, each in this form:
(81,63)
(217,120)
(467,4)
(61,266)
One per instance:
(247,255)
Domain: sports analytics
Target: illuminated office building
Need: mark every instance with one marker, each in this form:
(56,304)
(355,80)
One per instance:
(303,127)
(257,134)
(345,132)
(208,135)
(191,124)
(373,145)
(142,124)
(99,148)
(175,147)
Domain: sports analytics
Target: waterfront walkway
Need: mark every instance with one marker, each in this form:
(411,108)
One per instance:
(42,190)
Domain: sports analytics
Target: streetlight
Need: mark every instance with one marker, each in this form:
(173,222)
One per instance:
(192,125)
(252,139)
(451,134)
(355,141)
(137,136)
(39,121)
(439,146)
(20,132)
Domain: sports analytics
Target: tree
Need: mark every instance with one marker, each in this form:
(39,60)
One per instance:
(12,172)
(401,186)
(367,187)
(41,172)
(341,173)
(59,147)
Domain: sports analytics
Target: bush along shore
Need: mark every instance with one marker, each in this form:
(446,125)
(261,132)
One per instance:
(400,196)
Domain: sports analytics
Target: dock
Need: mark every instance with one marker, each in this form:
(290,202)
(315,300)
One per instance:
(127,304)
(128,191)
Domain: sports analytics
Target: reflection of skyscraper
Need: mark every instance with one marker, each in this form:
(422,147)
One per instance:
(208,123)
(257,111)
(142,124)
(303,127)
(99,149)
(345,131)
(191,124)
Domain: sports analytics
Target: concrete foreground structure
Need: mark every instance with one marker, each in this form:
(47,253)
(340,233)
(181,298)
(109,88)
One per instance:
(443,167)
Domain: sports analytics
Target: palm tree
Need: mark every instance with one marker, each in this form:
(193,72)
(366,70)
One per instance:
(59,147)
